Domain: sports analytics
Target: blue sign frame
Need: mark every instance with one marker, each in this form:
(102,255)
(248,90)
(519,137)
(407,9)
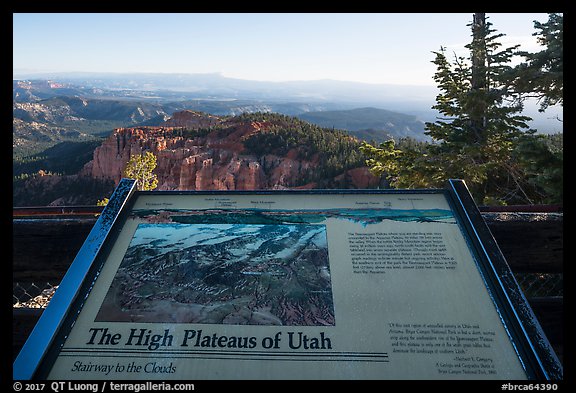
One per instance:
(45,341)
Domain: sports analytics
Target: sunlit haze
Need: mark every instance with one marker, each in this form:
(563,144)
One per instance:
(392,48)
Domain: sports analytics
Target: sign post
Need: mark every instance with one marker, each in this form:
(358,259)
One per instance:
(323,284)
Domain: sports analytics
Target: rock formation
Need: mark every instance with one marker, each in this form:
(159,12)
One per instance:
(197,151)
(192,119)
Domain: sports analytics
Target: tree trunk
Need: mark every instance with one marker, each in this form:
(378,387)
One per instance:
(479,82)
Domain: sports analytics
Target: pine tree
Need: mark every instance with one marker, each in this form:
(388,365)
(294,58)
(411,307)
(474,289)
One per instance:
(485,123)
(478,128)
(541,75)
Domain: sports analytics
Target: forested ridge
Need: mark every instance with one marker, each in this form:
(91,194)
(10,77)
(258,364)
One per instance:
(333,151)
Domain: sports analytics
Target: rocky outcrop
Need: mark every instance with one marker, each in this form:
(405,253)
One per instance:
(192,119)
(224,172)
(202,163)
(202,152)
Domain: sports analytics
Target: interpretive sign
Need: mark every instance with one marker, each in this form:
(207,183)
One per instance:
(389,284)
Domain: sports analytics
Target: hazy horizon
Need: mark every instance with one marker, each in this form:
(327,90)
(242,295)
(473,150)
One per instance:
(18,74)
(408,99)
(373,48)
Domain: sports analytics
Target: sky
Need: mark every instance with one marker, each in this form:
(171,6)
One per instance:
(379,48)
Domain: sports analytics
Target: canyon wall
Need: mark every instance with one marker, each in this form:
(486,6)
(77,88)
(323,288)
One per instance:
(196,151)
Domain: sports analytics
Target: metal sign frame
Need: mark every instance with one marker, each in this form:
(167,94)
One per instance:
(45,342)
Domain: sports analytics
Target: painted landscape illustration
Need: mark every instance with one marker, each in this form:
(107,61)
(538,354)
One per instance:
(239,274)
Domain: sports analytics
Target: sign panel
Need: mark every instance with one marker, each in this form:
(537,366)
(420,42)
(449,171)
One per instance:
(291,285)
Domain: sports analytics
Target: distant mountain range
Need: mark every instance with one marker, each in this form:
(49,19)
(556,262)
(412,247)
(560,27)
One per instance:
(82,107)
(52,108)
(369,123)
(172,87)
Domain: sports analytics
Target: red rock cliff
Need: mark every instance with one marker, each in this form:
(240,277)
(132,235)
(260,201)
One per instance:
(202,152)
